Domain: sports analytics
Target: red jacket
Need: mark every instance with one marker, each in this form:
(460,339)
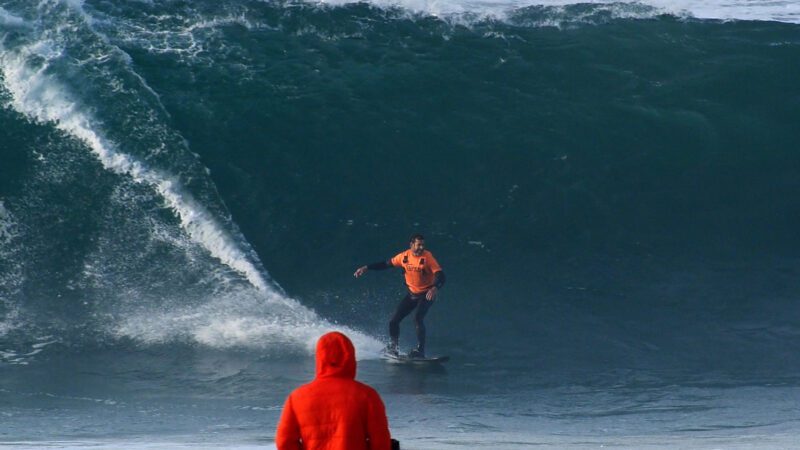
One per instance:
(334,412)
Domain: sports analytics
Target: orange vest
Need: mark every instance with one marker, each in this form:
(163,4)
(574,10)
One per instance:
(419,270)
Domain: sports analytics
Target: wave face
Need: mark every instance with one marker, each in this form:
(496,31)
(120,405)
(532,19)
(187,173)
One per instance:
(113,228)
(604,183)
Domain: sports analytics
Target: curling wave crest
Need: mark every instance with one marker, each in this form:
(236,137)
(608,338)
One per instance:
(227,299)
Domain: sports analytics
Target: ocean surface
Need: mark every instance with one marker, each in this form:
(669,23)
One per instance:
(612,188)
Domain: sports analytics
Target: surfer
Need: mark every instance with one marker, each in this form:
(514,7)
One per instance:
(424,278)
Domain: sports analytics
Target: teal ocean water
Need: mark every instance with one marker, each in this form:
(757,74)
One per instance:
(186,188)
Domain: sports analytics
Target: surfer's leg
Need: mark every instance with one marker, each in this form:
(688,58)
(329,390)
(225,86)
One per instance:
(422,309)
(405,307)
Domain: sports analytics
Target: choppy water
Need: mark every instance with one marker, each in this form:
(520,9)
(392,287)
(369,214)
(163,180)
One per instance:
(187,186)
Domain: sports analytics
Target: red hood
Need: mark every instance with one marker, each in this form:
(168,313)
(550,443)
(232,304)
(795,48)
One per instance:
(336,356)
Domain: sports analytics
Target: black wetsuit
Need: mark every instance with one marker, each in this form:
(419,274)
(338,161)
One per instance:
(408,304)
(404,308)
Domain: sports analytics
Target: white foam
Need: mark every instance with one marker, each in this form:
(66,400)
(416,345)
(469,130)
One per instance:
(156,444)
(24,356)
(182,37)
(9,20)
(238,320)
(256,317)
(5,327)
(7,226)
(770,10)
(39,96)
(11,279)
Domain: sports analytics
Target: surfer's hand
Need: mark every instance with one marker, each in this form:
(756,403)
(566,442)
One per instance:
(360,271)
(431,294)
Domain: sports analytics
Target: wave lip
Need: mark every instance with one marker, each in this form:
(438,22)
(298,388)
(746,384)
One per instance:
(759,10)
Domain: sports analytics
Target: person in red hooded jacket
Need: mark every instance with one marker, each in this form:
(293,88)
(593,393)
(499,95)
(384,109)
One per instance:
(334,412)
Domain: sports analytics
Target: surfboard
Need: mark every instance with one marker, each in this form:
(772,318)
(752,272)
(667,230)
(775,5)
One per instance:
(403,358)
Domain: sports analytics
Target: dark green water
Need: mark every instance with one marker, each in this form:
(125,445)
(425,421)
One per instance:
(612,192)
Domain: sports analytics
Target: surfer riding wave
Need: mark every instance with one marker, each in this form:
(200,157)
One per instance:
(424,277)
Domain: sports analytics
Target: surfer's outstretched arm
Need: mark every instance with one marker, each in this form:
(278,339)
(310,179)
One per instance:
(381,265)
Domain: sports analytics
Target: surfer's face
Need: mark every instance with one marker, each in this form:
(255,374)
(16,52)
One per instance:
(417,247)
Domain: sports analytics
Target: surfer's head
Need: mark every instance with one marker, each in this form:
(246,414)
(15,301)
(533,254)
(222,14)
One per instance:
(417,244)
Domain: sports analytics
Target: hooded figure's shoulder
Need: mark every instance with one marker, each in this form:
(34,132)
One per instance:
(365,392)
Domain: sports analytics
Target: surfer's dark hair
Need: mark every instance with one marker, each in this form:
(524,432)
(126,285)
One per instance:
(416,237)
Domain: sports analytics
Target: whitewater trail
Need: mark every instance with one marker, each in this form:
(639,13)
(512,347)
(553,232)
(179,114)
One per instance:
(265,318)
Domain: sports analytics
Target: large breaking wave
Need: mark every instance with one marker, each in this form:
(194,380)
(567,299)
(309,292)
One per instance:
(161,261)
(586,167)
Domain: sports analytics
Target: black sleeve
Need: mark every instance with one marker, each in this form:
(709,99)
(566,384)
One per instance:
(382,265)
(439,279)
